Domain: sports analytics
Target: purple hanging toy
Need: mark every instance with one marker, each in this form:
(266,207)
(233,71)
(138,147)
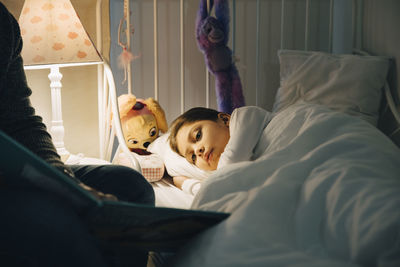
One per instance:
(212,35)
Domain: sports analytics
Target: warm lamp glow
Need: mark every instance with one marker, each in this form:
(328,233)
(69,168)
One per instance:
(53,34)
(54,37)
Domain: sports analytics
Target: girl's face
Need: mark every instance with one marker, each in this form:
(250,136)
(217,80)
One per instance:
(203,142)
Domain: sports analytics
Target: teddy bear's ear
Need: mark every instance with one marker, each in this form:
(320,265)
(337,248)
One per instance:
(158,113)
(125,104)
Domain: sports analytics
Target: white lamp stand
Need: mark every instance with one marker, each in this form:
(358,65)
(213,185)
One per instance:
(57,127)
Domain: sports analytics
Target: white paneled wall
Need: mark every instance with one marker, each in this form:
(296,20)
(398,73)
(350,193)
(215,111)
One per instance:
(256,41)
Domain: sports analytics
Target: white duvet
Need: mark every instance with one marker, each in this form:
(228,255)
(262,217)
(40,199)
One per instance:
(307,187)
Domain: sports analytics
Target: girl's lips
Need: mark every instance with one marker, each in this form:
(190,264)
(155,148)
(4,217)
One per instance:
(209,156)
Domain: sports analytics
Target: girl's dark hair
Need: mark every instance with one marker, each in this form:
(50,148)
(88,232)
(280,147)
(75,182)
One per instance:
(190,116)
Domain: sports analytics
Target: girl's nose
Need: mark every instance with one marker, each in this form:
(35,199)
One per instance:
(199,150)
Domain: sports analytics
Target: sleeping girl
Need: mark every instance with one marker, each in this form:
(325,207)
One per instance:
(202,136)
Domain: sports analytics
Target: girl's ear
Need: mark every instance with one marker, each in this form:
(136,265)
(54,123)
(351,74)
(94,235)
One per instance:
(224,118)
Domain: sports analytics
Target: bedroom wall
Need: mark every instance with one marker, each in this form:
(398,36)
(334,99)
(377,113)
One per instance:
(259,86)
(381,36)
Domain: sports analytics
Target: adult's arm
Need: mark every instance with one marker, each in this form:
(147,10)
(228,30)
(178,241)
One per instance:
(17,116)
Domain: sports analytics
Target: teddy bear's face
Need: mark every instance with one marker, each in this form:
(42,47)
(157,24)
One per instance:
(140,131)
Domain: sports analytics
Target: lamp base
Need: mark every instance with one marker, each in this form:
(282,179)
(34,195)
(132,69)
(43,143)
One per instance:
(57,127)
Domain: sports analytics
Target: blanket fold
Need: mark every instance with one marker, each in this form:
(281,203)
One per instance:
(320,188)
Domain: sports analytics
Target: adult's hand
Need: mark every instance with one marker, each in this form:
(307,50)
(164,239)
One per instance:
(99,195)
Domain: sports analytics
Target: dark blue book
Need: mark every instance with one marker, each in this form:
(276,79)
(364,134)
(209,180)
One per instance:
(115,222)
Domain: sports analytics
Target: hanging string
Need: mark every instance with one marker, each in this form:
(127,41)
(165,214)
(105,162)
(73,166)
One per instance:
(126,57)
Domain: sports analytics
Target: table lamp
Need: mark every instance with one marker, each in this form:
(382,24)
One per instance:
(54,37)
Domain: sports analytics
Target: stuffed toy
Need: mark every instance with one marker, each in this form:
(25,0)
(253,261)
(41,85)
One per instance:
(142,121)
(212,37)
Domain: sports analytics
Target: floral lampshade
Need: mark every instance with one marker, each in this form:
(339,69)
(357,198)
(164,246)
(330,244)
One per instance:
(53,34)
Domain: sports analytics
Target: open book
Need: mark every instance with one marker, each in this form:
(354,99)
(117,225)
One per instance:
(115,222)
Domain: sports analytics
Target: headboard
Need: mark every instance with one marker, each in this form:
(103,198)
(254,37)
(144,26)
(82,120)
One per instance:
(380,36)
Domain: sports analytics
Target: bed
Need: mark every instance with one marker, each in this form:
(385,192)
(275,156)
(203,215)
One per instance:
(314,181)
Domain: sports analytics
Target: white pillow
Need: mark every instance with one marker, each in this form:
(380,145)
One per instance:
(348,83)
(175,164)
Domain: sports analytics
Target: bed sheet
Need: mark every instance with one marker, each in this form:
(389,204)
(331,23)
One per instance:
(324,190)
(167,195)
(80,159)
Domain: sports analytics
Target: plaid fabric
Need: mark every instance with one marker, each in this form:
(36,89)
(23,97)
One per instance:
(153,174)
(152,165)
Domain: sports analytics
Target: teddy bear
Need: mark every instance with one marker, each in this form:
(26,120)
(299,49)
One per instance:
(142,120)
